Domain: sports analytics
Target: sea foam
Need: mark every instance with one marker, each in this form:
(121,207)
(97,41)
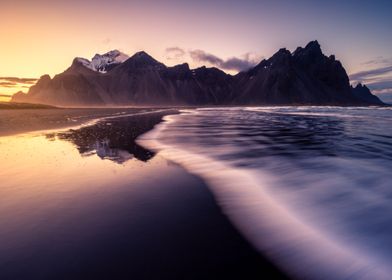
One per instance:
(252,199)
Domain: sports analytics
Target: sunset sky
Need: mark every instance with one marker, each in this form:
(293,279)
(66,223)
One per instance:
(42,37)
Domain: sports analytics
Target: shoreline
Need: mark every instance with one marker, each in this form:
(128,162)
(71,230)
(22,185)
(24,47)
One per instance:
(21,121)
(54,120)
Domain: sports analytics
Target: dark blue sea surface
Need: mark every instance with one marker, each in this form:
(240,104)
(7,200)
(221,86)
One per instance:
(309,186)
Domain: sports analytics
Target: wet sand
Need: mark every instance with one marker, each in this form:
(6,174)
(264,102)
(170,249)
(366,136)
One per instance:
(92,204)
(14,121)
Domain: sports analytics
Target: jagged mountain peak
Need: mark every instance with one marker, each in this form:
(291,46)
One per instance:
(181,67)
(45,77)
(312,49)
(43,80)
(142,56)
(106,62)
(282,54)
(363,93)
(283,51)
(360,85)
(313,45)
(111,54)
(142,60)
(102,63)
(81,61)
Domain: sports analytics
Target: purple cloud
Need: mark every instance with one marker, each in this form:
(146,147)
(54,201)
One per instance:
(234,63)
(378,60)
(363,75)
(174,53)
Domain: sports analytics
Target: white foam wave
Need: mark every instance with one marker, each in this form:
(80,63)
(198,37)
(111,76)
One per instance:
(297,247)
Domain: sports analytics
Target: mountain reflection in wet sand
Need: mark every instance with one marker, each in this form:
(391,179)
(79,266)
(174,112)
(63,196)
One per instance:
(114,139)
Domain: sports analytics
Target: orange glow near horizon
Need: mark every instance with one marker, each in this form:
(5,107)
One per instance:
(7,92)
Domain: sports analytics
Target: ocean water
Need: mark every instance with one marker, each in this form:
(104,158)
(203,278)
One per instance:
(310,187)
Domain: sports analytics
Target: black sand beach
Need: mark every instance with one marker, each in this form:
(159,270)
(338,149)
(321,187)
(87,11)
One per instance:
(14,121)
(137,217)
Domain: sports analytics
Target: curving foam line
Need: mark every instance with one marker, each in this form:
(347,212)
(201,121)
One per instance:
(296,247)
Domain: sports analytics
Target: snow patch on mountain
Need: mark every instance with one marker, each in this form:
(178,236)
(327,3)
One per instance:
(85,62)
(105,62)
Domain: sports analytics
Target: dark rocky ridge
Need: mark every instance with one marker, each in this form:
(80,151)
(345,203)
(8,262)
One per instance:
(364,93)
(306,77)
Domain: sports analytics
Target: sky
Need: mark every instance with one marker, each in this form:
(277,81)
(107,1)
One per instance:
(42,36)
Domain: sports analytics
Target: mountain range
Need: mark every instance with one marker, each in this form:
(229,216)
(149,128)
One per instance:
(303,77)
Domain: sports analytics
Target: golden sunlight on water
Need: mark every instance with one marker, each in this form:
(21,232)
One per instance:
(39,175)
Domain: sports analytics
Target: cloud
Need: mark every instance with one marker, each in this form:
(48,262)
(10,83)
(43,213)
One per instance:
(8,84)
(380,84)
(233,63)
(175,53)
(363,75)
(5,95)
(19,80)
(202,56)
(242,63)
(378,60)
(17,83)
(383,91)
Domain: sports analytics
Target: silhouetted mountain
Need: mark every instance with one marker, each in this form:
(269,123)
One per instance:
(305,76)
(362,92)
